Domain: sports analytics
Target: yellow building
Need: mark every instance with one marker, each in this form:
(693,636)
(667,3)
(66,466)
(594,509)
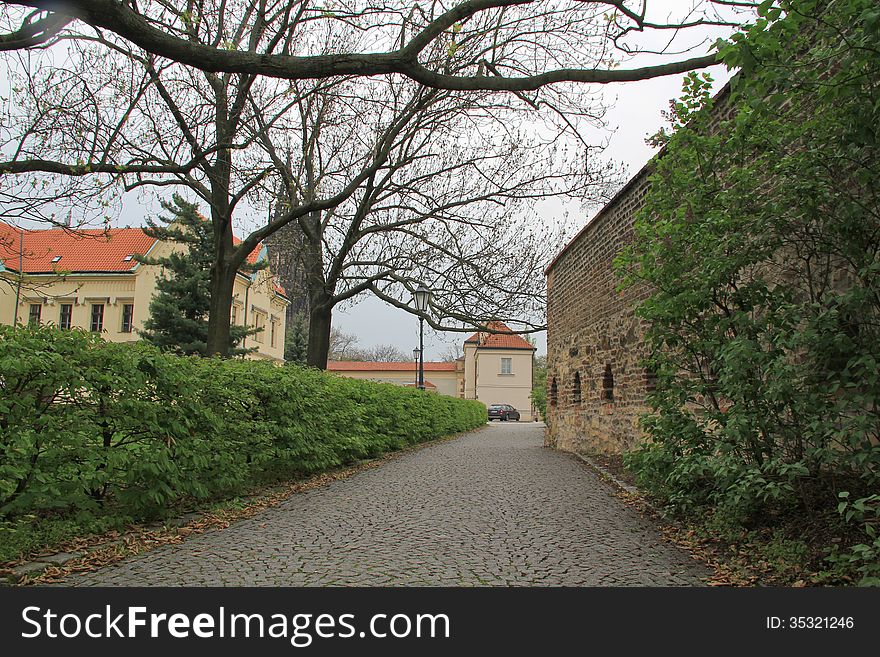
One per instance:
(496,369)
(91,279)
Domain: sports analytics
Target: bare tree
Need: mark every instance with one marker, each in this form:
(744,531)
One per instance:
(385,353)
(449,205)
(343,346)
(176,126)
(527,43)
(452,353)
(409,183)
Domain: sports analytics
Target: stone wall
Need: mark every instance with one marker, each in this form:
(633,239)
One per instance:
(594,339)
(596,382)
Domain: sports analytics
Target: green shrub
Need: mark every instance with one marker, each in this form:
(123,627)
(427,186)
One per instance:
(759,243)
(89,426)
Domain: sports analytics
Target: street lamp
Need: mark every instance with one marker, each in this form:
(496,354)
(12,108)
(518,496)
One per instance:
(416,353)
(420,300)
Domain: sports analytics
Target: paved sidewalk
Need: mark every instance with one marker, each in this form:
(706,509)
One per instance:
(491,508)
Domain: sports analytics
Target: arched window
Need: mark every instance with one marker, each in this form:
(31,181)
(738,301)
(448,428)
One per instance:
(554,391)
(576,389)
(608,384)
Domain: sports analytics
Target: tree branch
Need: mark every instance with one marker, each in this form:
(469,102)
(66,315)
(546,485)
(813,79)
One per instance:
(34,33)
(121,19)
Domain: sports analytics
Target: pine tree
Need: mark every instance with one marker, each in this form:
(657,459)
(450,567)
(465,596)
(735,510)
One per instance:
(178,318)
(296,342)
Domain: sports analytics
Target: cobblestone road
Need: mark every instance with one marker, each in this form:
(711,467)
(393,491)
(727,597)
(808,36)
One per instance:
(491,508)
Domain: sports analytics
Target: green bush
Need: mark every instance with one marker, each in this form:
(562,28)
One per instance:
(88,425)
(759,242)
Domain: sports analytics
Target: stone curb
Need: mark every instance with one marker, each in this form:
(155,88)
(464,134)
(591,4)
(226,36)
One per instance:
(37,566)
(606,474)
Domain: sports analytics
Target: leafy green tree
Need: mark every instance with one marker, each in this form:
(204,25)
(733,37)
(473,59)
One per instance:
(759,243)
(178,318)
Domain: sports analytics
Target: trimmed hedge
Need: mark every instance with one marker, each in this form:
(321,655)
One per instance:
(86,423)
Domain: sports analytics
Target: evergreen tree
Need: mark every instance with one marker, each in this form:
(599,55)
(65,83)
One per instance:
(296,342)
(179,310)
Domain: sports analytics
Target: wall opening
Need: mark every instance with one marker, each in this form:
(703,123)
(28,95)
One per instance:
(650,380)
(554,391)
(576,389)
(608,384)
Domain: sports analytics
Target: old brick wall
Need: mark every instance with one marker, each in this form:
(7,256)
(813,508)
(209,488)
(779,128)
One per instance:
(593,331)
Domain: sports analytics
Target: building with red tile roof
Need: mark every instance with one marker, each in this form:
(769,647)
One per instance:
(496,369)
(385,366)
(91,279)
(499,336)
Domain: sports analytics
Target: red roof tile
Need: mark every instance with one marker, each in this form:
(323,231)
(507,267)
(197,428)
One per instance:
(507,339)
(57,249)
(84,250)
(367,366)
(254,255)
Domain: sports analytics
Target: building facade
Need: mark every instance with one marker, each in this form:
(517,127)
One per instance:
(439,377)
(91,279)
(496,369)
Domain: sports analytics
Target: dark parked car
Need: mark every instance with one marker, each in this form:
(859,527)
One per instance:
(503,412)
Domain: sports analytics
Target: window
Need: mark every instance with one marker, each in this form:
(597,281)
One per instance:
(66,315)
(554,392)
(127,317)
(576,389)
(608,384)
(272,329)
(97,324)
(506,366)
(36,311)
(234,317)
(259,324)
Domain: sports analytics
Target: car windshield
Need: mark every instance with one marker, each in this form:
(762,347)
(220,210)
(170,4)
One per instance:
(496,407)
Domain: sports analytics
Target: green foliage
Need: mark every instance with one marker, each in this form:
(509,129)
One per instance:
(296,342)
(178,318)
(760,244)
(539,384)
(90,427)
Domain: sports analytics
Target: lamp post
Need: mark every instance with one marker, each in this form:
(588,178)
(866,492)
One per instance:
(420,301)
(416,353)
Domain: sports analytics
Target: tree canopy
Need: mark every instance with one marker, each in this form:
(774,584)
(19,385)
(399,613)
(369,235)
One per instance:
(409,144)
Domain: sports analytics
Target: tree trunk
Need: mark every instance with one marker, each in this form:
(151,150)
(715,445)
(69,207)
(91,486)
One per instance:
(222,283)
(320,295)
(320,316)
(224,268)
